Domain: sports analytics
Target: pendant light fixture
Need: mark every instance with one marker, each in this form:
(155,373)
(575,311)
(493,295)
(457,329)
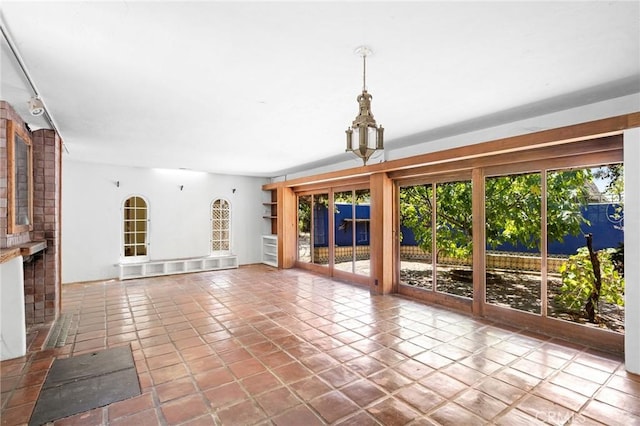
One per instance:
(369,136)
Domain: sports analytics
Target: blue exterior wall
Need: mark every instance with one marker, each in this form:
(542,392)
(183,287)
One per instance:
(605,232)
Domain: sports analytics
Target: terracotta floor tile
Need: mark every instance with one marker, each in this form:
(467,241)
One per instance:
(412,369)
(344,353)
(500,390)
(390,380)
(175,389)
(319,362)
(203,364)
(480,404)
(245,368)
(227,394)
(600,360)
(366,346)
(166,374)
(292,372)
(517,378)
(234,355)
(364,365)
(260,383)
(288,347)
(363,392)
(392,412)
(277,401)
(592,374)
(533,368)
(197,352)
(575,383)
(518,418)
(442,384)
(24,395)
(188,343)
(560,395)
(213,378)
(419,397)
(183,409)
(299,415)
(131,406)
(161,349)
(143,418)
(333,406)
(163,360)
(310,388)
(545,410)
(625,385)
(244,413)
(433,360)
(35,378)
(338,376)
(17,415)
(361,418)
(620,400)
(454,415)
(464,374)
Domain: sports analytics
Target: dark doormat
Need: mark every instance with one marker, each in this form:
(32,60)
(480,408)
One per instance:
(81,383)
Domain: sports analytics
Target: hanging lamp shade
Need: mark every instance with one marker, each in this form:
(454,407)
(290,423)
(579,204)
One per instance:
(364,136)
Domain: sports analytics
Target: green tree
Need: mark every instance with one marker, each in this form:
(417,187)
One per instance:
(512,208)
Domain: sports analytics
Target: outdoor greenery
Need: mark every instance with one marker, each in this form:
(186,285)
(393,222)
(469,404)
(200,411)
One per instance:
(510,202)
(578,281)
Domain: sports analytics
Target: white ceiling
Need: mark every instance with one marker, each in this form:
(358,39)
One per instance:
(265,88)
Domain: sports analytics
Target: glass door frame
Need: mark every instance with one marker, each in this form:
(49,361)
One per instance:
(330,268)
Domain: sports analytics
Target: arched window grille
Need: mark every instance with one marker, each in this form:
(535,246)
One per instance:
(220,227)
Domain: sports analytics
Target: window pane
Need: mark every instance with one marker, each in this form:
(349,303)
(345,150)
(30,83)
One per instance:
(454,274)
(304,228)
(135,226)
(586,207)
(513,224)
(362,219)
(320,237)
(344,231)
(416,267)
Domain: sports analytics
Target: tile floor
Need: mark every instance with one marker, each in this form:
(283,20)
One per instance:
(256,345)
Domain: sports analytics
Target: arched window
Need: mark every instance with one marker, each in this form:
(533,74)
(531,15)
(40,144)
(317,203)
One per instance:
(135,221)
(220,227)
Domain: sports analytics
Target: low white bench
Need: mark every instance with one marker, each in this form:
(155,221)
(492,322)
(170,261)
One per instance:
(155,268)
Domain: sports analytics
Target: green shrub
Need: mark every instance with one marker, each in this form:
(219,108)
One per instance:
(578,281)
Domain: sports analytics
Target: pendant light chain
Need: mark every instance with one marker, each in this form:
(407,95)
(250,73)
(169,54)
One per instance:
(364,71)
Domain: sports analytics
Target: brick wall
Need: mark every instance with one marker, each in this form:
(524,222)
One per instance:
(42,277)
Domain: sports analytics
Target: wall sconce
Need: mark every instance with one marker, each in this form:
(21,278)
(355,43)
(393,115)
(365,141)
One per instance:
(181,187)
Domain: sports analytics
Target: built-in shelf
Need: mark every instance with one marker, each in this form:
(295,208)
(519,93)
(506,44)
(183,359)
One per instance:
(270,250)
(32,247)
(271,212)
(176,266)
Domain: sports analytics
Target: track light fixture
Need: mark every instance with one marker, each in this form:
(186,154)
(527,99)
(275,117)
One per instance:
(36,107)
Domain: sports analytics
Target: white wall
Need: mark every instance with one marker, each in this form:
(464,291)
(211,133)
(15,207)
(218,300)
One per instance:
(179,219)
(632,250)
